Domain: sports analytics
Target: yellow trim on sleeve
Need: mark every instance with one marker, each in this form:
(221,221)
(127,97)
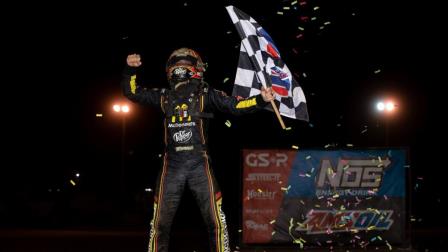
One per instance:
(246,103)
(133,83)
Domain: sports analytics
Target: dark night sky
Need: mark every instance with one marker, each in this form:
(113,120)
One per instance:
(69,63)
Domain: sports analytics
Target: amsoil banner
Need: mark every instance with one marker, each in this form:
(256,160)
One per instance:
(317,197)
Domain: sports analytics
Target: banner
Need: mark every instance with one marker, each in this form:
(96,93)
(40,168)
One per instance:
(315,197)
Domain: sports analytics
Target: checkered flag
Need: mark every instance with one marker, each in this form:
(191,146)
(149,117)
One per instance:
(260,65)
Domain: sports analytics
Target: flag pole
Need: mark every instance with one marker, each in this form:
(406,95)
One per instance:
(278,114)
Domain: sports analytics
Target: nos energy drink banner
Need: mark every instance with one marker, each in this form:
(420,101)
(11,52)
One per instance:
(321,197)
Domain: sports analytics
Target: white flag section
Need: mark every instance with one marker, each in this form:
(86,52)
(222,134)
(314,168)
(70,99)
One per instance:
(260,64)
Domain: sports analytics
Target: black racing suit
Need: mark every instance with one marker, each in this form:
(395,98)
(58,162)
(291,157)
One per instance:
(186,160)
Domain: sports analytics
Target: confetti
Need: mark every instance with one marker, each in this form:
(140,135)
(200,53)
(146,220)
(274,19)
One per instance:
(185,4)
(295,147)
(301,28)
(313,18)
(321,27)
(364,131)
(294,2)
(377,71)
(301,201)
(327,23)
(228,123)
(308,157)
(336,196)
(239,230)
(279,13)
(272,222)
(304,18)
(304,75)
(148,190)
(225,80)
(326,146)
(273,233)
(299,36)
(229,32)
(259,190)
(349,145)
(371,228)
(302,3)
(316,8)
(286,8)
(288,128)
(72,182)
(99,115)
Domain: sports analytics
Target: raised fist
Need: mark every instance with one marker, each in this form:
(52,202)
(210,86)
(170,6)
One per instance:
(133,60)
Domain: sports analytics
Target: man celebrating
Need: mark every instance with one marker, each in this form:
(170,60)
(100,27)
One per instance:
(188,105)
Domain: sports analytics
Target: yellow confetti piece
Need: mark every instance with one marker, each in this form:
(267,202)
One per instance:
(225,80)
(294,2)
(279,13)
(72,182)
(273,233)
(288,128)
(228,123)
(371,228)
(286,7)
(379,159)
(259,190)
(239,230)
(335,196)
(295,147)
(342,208)
(379,238)
(354,230)
(272,222)
(349,145)
(327,23)
(99,115)
(318,206)
(284,189)
(316,8)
